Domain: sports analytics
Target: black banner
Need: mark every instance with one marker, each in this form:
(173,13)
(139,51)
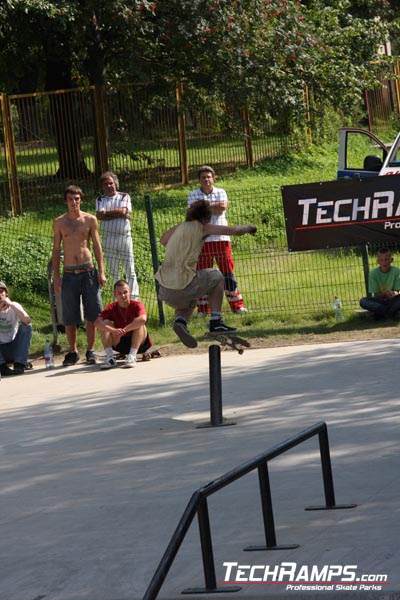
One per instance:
(348,212)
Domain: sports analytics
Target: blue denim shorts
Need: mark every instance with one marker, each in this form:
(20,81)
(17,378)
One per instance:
(76,286)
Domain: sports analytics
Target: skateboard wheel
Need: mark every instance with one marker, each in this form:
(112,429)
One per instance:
(155,354)
(146,357)
(240,350)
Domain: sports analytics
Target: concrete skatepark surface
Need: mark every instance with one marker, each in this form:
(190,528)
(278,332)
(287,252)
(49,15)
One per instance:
(97,468)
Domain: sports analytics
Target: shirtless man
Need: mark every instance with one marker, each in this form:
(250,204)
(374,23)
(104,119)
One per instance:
(74,230)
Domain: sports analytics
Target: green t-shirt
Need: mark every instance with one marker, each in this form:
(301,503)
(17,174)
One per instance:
(382,282)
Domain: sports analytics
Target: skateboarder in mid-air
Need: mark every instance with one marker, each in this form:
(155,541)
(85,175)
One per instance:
(180,283)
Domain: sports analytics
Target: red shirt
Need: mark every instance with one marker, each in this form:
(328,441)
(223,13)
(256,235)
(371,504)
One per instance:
(121,317)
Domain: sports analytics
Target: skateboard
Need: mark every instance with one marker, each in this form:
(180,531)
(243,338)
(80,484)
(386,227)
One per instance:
(229,340)
(152,352)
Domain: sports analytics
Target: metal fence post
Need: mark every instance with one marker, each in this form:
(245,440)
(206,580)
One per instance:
(364,254)
(247,137)
(183,159)
(154,254)
(101,150)
(11,157)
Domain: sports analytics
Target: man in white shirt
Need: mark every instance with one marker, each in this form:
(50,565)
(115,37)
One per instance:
(113,210)
(15,334)
(216,247)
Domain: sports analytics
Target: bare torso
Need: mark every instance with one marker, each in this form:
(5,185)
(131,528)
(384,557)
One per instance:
(75,234)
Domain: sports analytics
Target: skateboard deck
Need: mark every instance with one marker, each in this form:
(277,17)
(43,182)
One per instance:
(229,340)
(152,352)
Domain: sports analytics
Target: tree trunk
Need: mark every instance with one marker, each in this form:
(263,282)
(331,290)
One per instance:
(67,117)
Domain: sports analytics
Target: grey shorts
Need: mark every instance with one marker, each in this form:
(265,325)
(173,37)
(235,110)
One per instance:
(203,282)
(75,286)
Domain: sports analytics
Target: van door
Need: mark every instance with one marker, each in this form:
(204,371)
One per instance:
(361,154)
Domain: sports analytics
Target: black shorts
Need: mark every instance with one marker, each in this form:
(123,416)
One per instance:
(125,345)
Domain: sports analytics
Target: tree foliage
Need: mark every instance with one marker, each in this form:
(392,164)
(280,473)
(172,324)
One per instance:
(260,51)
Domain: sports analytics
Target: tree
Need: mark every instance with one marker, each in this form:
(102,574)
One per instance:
(258,52)
(264,51)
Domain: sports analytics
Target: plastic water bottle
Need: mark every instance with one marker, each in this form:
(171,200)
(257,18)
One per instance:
(48,355)
(337,307)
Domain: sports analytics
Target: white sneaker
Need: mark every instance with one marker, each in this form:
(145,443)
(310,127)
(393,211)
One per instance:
(241,310)
(108,363)
(129,362)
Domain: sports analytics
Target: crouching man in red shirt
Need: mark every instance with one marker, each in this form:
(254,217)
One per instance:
(122,325)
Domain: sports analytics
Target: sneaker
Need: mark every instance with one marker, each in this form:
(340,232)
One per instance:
(71,358)
(242,310)
(218,326)
(19,368)
(90,357)
(129,362)
(108,363)
(6,371)
(183,334)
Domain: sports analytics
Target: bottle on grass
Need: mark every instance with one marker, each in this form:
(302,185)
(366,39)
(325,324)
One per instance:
(338,308)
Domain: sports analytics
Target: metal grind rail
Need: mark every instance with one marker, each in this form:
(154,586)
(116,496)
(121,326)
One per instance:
(198,505)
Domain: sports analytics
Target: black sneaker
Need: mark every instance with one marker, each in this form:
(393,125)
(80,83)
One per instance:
(218,326)
(71,358)
(19,368)
(6,371)
(183,334)
(90,357)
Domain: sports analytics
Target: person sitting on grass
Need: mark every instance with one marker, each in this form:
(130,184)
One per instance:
(122,325)
(180,283)
(15,334)
(384,285)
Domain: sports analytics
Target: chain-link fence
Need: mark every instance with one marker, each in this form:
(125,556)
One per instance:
(272,281)
(152,139)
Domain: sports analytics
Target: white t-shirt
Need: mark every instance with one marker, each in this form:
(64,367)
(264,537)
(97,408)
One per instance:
(115,226)
(9,323)
(217,195)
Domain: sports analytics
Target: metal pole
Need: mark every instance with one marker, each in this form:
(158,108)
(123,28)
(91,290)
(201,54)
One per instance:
(266,504)
(154,254)
(326,468)
(11,157)
(172,548)
(206,546)
(183,158)
(268,515)
(214,355)
(364,254)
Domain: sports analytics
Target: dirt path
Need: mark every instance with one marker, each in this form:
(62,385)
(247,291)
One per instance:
(296,340)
